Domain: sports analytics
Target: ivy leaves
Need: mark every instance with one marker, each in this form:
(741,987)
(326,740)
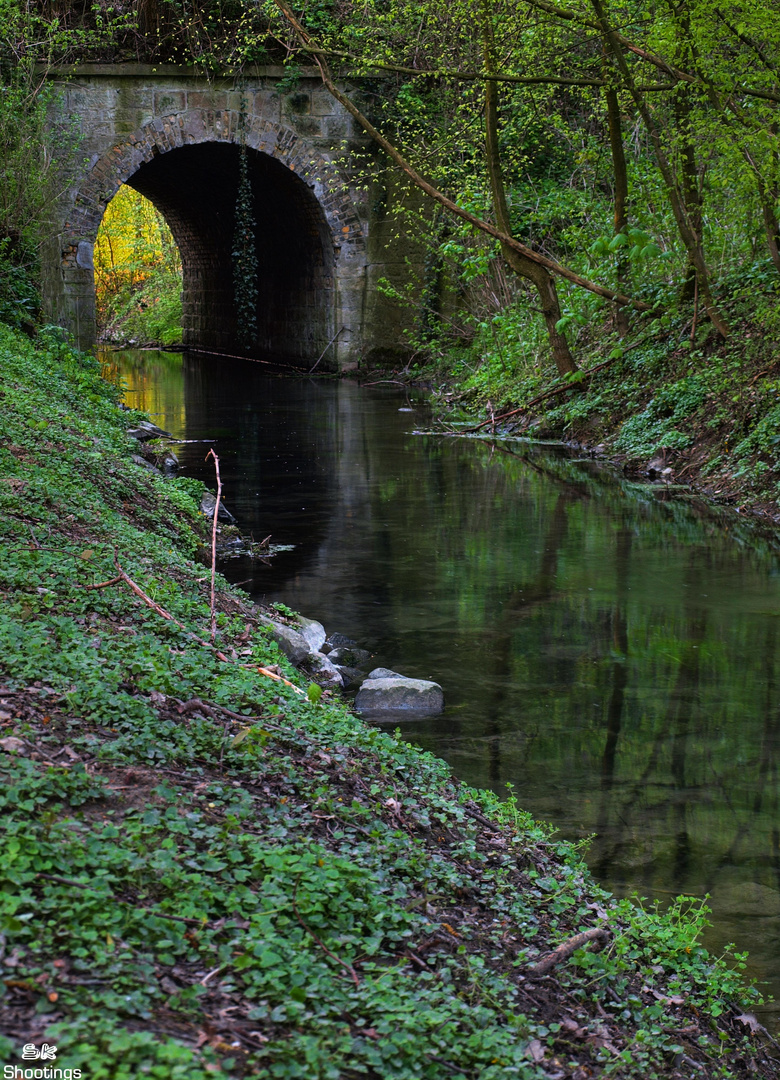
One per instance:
(245,256)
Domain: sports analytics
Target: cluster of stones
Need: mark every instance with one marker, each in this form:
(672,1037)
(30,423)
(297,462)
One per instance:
(336,663)
(164,461)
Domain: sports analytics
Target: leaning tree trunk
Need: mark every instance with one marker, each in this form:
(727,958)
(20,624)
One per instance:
(547,293)
(620,200)
(768,196)
(689,186)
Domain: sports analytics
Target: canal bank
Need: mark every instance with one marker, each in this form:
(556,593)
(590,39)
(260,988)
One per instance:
(207,874)
(671,400)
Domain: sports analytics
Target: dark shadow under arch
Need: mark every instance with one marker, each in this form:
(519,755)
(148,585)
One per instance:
(195,188)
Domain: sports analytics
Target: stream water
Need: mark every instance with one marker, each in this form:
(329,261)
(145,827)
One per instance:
(610,649)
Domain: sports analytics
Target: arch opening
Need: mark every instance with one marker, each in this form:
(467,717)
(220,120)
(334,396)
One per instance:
(138,274)
(195,189)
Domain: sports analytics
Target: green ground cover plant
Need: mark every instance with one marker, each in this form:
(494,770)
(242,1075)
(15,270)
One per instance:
(669,397)
(205,873)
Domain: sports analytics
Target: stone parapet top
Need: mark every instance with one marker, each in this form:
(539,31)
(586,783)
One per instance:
(168,71)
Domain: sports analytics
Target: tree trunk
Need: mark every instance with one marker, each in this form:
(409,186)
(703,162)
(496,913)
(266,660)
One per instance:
(541,278)
(432,192)
(689,184)
(768,196)
(620,200)
(688,234)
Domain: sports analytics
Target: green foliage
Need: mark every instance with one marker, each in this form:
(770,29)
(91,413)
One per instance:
(148,315)
(662,422)
(137,274)
(19,297)
(35,157)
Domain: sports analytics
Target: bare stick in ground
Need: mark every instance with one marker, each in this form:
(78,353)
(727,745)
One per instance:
(214,542)
(347,967)
(123,577)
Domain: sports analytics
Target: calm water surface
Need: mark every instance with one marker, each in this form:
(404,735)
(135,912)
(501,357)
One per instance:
(611,651)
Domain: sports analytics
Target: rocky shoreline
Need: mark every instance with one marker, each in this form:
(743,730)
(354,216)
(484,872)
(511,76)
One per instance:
(333,662)
(337,663)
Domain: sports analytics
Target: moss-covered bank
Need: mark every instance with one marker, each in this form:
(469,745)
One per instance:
(206,874)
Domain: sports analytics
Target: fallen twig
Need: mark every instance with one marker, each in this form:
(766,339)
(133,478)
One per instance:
(324,947)
(764,371)
(491,826)
(103,584)
(316,362)
(122,576)
(565,950)
(214,542)
(583,375)
(542,397)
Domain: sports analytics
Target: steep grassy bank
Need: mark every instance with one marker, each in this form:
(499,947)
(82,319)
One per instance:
(672,398)
(206,874)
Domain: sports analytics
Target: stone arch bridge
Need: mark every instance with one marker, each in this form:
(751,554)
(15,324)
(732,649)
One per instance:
(323,239)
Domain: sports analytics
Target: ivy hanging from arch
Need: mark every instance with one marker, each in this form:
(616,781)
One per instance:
(245,256)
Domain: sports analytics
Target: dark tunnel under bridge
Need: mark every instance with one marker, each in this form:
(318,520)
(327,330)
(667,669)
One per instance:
(196,188)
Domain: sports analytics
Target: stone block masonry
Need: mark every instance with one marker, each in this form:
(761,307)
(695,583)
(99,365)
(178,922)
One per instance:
(175,136)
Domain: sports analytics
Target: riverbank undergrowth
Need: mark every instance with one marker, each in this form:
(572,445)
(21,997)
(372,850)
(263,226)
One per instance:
(671,398)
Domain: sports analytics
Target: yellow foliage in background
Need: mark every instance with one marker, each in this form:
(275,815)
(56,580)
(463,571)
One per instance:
(134,248)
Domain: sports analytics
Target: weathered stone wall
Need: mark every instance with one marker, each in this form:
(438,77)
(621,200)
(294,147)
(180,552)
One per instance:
(174,135)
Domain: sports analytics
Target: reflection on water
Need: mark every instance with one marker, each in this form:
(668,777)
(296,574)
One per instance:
(609,651)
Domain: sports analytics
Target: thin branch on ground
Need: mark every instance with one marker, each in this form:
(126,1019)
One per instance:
(575,385)
(324,947)
(123,577)
(214,543)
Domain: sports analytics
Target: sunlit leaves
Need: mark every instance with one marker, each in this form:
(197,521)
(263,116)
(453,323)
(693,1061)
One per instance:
(137,271)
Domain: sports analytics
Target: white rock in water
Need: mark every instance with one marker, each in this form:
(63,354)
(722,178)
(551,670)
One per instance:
(387,691)
(295,647)
(323,672)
